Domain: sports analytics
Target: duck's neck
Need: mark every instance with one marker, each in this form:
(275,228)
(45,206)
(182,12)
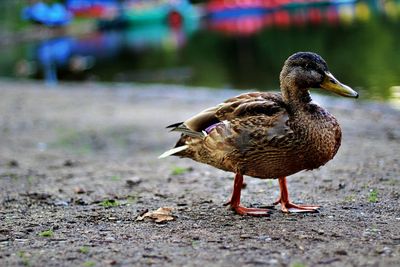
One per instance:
(297,98)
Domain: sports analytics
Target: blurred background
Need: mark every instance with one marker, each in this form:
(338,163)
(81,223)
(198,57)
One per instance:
(216,43)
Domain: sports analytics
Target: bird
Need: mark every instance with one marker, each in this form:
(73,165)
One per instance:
(268,135)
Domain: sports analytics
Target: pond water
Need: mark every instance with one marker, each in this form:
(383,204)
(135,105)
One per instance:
(359,40)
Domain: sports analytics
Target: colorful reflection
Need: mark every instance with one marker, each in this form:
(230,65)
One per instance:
(102,9)
(75,58)
(173,12)
(51,15)
(250,17)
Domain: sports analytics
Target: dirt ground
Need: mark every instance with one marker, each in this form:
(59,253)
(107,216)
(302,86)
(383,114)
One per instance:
(78,164)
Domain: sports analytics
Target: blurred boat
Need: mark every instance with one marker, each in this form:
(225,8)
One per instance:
(222,9)
(52,15)
(249,17)
(173,12)
(100,9)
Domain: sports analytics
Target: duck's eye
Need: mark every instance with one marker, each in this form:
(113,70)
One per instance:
(309,66)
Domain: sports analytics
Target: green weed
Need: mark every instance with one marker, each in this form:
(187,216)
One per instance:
(31,179)
(89,264)
(84,250)
(179,170)
(24,258)
(373,196)
(110,203)
(47,233)
(115,178)
(131,199)
(350,198)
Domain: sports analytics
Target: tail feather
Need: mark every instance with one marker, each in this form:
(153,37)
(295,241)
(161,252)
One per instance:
(173,151)
(181,146)
(181,127)
(174,125)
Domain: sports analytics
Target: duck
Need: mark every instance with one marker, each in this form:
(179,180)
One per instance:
(268,135)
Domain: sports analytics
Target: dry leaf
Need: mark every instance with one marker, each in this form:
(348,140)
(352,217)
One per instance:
(163,214)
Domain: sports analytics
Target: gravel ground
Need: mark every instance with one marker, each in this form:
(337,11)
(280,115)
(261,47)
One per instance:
(78,165)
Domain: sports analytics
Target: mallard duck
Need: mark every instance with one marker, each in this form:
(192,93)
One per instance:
(268,135)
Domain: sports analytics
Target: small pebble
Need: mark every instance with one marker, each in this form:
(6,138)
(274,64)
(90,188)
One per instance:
(134,181)
(79,190)
(69,163)
(13,163)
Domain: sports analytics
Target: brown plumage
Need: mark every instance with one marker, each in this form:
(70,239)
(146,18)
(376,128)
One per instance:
(268,135)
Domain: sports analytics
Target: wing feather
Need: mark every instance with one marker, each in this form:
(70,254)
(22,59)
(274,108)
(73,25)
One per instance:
(248,104)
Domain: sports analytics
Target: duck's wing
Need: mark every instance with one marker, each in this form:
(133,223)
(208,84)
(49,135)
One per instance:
(229,117)
(248,104)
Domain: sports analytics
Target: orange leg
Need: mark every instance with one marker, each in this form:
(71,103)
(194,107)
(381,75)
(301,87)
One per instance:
(288,206)
(235,200)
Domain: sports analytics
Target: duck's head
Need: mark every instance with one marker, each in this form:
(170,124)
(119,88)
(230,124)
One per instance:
(305,70)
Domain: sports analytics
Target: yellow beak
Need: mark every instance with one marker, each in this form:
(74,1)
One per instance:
(330,83)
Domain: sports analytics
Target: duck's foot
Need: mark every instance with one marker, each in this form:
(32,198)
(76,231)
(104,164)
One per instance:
(257,212)
(289,207)
(234,202)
